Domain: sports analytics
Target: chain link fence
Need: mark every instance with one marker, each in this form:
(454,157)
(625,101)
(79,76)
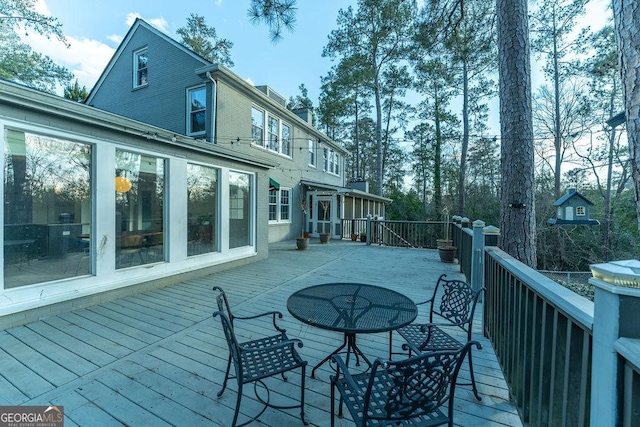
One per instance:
(577,281)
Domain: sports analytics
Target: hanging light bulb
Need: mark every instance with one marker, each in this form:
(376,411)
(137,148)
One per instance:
(123,184)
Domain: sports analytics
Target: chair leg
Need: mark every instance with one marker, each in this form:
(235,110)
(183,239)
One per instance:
(237,411)
(226,377)
(473,378)
(390,344)
(333,404)
(302,388)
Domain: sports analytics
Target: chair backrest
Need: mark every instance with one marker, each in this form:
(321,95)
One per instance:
(226,318)
(455,301)
(223,304)
(413,387)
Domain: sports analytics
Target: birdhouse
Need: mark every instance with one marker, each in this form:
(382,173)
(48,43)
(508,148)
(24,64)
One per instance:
(573,208)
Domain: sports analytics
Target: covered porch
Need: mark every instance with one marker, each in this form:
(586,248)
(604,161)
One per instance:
(158,357)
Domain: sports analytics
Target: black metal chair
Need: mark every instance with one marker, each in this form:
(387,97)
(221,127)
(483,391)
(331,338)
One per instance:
(417,391)
(454,304)
(259,359)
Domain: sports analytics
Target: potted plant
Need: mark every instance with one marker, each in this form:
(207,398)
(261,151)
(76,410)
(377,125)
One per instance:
(324,236)
(446,242)
(363,237)
(354,236)
(447,253)
(302,242)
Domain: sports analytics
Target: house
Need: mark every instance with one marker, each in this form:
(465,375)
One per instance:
(97,206)
(573,208)
(156,80)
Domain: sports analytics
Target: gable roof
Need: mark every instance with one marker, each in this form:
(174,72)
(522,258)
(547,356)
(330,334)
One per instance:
(570,194)
(121,48)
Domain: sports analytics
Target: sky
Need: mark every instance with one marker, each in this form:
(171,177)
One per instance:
(94,28)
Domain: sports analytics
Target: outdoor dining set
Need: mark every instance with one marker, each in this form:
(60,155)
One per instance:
(413,387)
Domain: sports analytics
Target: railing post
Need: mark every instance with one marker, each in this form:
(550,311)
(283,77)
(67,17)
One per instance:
(477,255)
(491,234)
(368,229)
(615,315)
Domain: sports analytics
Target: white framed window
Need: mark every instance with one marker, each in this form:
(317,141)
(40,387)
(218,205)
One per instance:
(196,110)
(140,67)
(312,154)
(273,205)
(273,128)
(285,205)
(325,159)
(285,145)
(280,205)
(257,126)
(581,211)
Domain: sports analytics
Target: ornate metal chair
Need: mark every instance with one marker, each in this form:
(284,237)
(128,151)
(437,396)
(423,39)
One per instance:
(453,304)
(259,359)
(417,391)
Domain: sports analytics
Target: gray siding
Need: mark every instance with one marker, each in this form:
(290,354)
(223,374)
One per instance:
(162,102)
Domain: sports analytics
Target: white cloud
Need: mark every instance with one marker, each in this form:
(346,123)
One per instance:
(85,58)
(160,23)
(218,3)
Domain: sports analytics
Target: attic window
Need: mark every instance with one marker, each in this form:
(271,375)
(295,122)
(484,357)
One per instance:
(140,69)
(580,211)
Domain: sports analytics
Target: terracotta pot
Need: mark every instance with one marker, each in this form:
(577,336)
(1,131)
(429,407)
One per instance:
(325,237)
(447,253)
(354,237)
(302,243)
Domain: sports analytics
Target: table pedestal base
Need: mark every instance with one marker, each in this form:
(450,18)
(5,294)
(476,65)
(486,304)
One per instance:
(350,343)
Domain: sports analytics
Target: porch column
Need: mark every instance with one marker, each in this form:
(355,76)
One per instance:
(616,308)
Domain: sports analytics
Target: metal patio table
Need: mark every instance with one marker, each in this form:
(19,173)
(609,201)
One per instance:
(351,308)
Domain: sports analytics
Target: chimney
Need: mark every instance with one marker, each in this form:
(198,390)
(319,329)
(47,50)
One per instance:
(305,114)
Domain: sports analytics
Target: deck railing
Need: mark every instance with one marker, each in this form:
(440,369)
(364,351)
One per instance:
(568,361)
(413,234)
(542,335)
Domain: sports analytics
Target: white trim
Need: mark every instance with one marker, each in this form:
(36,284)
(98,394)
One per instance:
(136,54)
(190,90)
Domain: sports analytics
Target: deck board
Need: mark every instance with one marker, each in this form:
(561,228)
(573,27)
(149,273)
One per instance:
(158,358)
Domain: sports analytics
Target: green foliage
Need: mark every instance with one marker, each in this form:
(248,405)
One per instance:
(204,41)
(302,100)
(405,206)
(75,92)
(18,62)
(277,14)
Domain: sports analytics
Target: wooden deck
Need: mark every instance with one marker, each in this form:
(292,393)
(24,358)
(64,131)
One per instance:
(158,358)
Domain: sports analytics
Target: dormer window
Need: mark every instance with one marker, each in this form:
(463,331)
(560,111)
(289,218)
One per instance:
(140,67)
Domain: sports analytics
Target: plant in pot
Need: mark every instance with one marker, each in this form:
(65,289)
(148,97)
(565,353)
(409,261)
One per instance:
(446,242)
(363,237)
(324,236)
(447,253)
(302,242)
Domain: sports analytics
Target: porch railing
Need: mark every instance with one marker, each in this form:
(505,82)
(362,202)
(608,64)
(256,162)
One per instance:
(542,335)
(568,361)
(413,234)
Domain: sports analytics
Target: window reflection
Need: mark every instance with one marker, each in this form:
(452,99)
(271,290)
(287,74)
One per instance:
(239,209)
(202,209)
(139,209)
(47,211)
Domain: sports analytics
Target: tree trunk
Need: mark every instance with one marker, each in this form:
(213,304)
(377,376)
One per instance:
(626,15)
(378,135)
(517,213)
(465,138)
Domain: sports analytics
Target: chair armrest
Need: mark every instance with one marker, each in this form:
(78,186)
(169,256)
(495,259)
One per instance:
(274,314)
(342,367)
(288,343)
(424,302)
